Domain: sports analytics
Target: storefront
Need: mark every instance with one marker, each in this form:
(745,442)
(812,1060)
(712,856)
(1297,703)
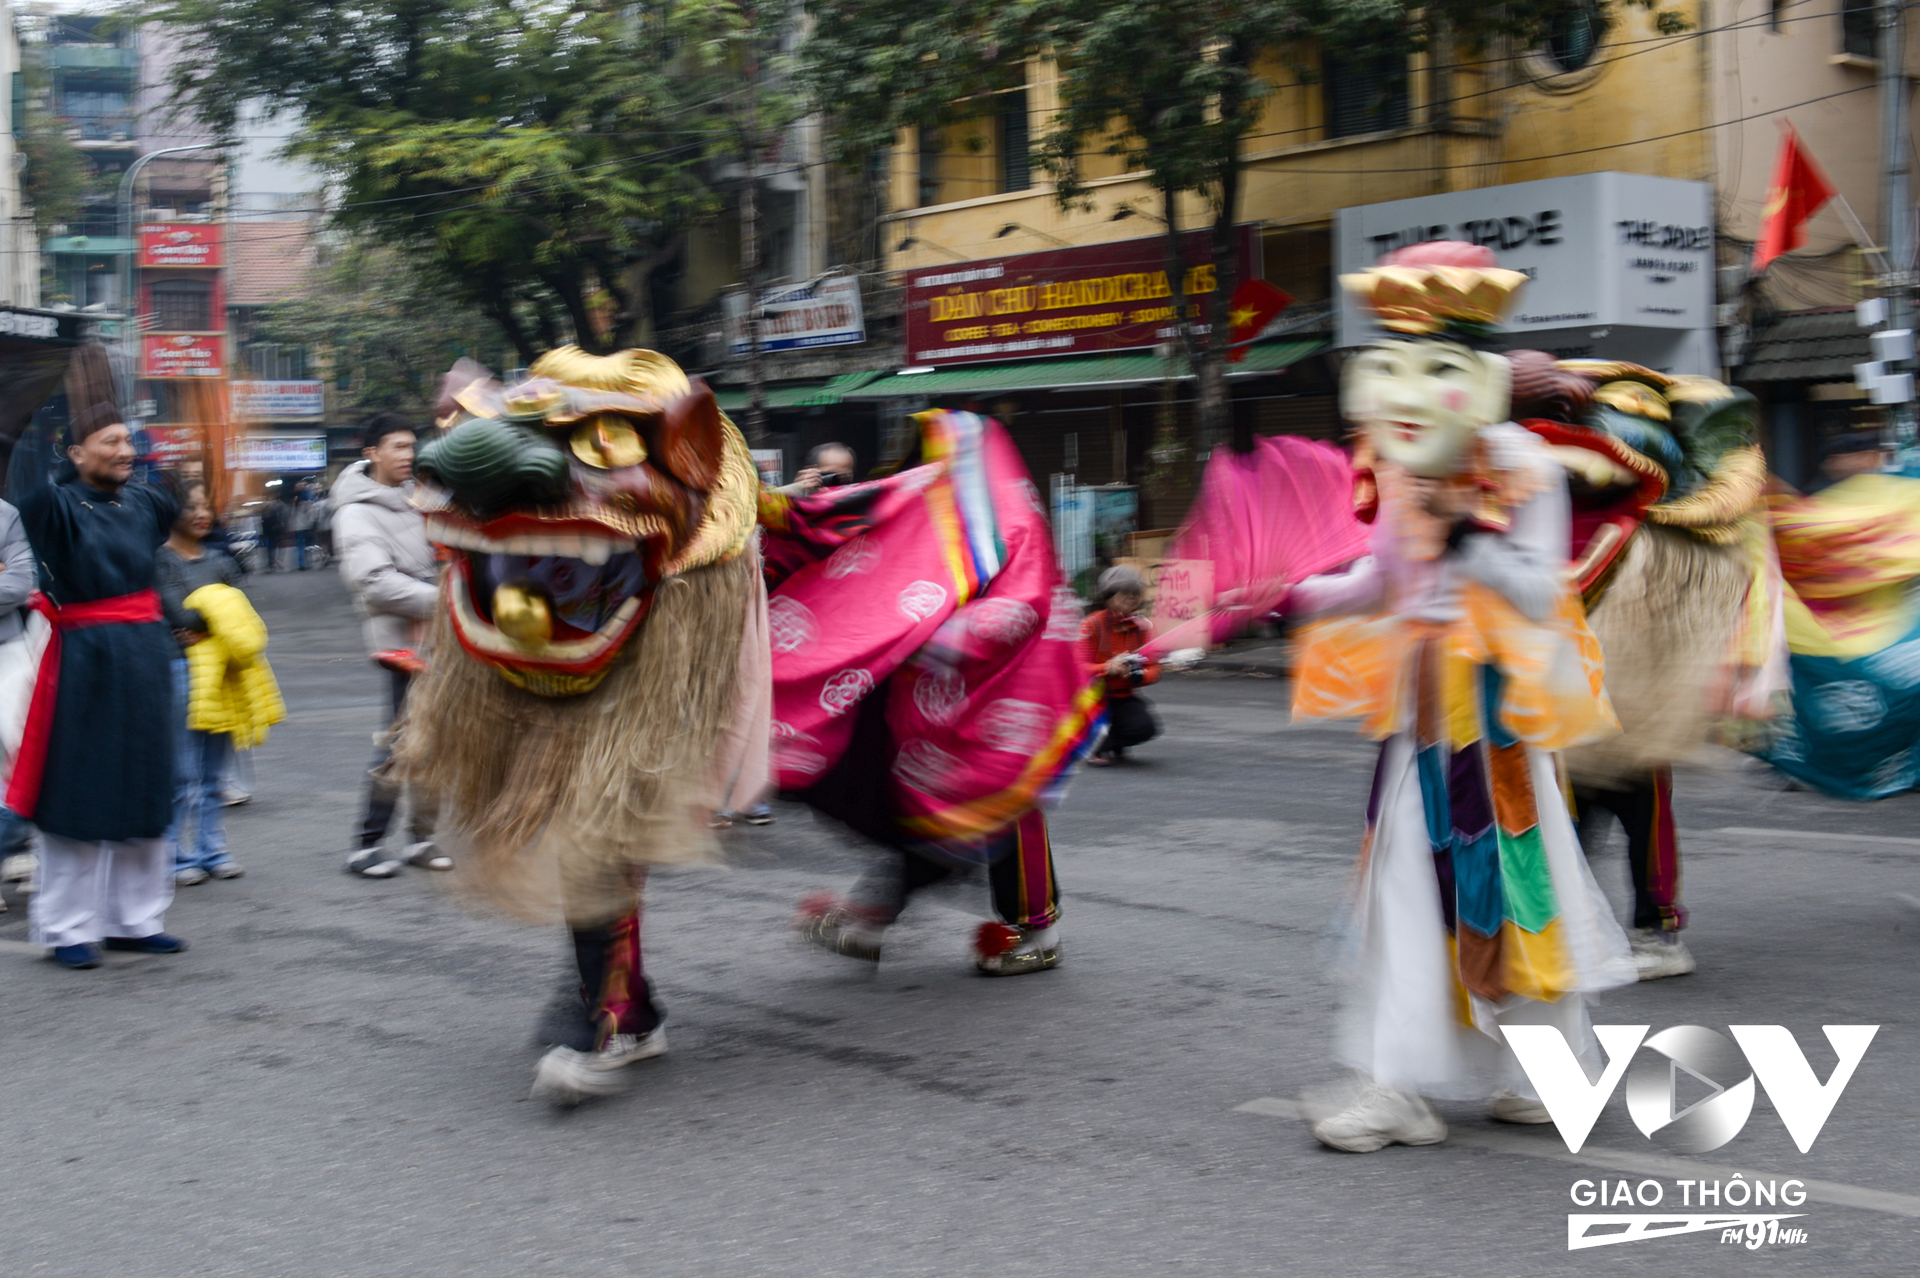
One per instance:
(1074,351)
(1801,367)
(35,349)
(1622,264)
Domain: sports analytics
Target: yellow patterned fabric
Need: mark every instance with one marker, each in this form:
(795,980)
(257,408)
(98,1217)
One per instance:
(1552,672)
(1849,554)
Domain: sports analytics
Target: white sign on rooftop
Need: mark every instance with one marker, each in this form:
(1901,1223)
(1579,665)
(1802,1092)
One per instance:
(1622,264)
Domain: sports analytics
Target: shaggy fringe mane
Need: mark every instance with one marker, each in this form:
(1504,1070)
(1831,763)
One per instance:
(1666,625)
(558,804)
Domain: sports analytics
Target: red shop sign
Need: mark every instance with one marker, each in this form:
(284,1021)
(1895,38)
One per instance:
(178,244)
(1069,301)
(168,445)
(182,355)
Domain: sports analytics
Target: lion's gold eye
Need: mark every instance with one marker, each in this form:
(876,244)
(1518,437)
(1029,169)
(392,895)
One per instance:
(607,443)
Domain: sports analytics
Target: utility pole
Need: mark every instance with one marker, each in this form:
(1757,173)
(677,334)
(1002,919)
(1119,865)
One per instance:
(750,241)
(1897,207)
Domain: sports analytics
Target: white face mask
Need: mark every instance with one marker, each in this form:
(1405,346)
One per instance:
(1422,399)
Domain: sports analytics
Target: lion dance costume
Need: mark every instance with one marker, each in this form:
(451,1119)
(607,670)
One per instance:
(586,663)
(1468,653)
(1670,552)
(925,689)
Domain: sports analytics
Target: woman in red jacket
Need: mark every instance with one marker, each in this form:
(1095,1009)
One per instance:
(1110,642)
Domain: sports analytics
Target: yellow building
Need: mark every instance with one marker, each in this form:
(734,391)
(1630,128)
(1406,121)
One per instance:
(1701,106)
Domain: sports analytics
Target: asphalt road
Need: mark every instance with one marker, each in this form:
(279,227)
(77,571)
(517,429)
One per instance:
(333,1081)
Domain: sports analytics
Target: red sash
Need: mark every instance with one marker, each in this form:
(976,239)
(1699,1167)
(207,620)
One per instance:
(30,765)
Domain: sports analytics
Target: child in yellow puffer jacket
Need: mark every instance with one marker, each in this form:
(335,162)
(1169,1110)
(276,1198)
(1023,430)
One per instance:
(224,693)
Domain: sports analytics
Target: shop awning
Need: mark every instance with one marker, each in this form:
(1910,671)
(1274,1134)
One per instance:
(1808,346)
(799,394)
(1080,372)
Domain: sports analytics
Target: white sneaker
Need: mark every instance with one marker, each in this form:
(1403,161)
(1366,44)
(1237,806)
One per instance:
(562,1078)
(1657,953)
(17,867)
(566,1077)
(625,1049)
(1378,1117)
(1511,1107)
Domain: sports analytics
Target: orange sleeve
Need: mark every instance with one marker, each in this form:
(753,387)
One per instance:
(1087,647)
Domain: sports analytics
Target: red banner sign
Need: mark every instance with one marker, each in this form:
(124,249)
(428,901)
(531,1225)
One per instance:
(1069,301)
(183,355)
(178,244)
(171,445)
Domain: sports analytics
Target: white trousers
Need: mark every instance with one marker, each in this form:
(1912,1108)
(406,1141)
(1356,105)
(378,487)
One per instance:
(90,891)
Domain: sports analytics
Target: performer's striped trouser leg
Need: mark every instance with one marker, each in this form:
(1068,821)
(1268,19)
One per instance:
(1025,892)
(1645,809)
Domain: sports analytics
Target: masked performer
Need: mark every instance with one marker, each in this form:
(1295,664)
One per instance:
(1682,587)
(585,662)
(1474,908)
(926,689)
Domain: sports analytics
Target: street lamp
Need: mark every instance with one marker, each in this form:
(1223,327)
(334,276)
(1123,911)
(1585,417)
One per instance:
(128,350)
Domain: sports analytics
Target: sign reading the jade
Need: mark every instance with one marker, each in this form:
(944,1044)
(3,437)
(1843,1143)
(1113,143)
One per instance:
(1068,301)
(178,244)
(1619,265)
(182,355)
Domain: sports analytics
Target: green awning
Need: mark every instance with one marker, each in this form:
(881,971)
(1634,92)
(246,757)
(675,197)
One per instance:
(1078,372)
(800,394)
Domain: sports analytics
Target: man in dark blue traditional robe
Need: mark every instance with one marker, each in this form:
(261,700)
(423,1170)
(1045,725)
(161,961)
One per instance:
(95,771)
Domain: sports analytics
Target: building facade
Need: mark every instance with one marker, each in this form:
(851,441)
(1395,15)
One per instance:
(1356,144)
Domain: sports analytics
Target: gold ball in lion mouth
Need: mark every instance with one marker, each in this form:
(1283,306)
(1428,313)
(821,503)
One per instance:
(522,616)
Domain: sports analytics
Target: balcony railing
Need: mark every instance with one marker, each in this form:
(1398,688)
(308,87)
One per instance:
(92,57)
(101,128)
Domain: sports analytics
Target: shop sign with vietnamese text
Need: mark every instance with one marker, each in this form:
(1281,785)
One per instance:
(170,445)
(1068,301)
(268,401)
(824,313)
(277,453)
(180,244)
(182,355)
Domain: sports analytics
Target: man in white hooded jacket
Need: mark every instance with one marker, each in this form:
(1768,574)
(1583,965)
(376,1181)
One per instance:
(389,566)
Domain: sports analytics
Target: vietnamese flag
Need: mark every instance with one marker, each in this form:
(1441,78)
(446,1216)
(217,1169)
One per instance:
(1796,193)
(1253,307)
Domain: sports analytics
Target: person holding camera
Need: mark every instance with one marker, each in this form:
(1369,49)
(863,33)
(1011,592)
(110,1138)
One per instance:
(828,466)
(1110,642)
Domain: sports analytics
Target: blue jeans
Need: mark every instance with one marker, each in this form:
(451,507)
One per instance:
(200,773)
(16,834)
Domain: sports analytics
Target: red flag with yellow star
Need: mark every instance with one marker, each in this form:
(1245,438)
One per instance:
(1253,307)
(1796,193)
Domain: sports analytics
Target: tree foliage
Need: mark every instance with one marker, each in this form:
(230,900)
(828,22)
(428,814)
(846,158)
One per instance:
(55,176)
(1175,87)
(546,157)
(381,327)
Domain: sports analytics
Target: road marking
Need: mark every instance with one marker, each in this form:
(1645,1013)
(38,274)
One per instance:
(1823,1191)
(1815,836)
(22,947)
